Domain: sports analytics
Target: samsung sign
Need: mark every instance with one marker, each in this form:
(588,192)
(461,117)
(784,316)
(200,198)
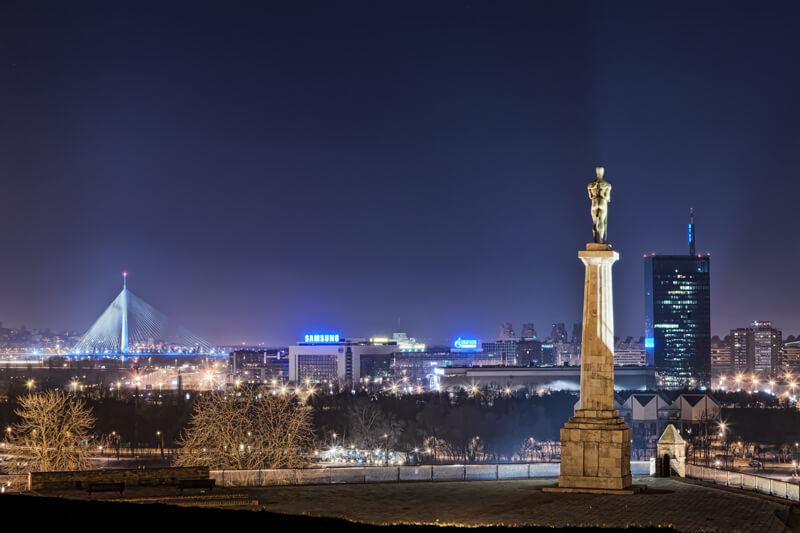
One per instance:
(322,338)
(465,344)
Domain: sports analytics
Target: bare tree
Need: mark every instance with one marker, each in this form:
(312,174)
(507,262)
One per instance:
(248,429)
(370,427)
(52,434)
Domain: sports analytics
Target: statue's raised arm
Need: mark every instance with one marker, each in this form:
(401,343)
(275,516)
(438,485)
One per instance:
(600,194)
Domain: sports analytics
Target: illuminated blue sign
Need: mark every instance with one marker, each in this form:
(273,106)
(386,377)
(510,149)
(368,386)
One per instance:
(649,342)
(322,338)
(465,344)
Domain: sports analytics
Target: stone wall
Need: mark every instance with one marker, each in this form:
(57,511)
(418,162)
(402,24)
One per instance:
(80,479)
(389,474)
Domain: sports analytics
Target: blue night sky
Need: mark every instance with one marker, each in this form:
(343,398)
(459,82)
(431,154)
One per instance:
(266,169)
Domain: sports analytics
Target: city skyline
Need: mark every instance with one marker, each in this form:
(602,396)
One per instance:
(270,170)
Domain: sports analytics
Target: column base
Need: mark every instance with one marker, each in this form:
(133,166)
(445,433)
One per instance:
(633,489)
(596,452)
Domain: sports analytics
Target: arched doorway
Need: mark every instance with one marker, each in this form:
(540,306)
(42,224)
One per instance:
(665,469)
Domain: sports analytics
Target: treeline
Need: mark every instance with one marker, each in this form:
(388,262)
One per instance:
(137,423)
(443,428)
(461,428)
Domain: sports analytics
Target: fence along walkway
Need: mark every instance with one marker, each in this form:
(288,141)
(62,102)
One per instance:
(764,485)
(388,474)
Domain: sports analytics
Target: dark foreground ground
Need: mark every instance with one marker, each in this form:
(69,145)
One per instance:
(667,504)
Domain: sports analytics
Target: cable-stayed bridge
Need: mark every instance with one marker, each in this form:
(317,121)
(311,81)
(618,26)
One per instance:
(131,326)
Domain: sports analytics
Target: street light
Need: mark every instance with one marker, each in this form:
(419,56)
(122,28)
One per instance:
(161,442)
(723,435)
(115,438)
(386,437)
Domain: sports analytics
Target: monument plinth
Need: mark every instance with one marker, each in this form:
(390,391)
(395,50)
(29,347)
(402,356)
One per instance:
(596,442)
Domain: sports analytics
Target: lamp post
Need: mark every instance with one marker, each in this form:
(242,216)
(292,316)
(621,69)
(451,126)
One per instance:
(161,442)
(386,449)
(115,440)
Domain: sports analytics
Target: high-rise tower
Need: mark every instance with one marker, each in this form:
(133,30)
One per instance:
(678,316)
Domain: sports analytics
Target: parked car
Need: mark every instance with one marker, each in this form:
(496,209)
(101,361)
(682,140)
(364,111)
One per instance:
(755,464)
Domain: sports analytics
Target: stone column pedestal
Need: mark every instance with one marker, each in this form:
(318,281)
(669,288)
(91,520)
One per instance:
(595,451)
(596,442)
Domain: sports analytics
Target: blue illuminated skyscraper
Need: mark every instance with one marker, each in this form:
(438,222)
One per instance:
(678,317)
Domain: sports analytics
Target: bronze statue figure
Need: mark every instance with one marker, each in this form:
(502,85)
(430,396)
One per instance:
(600,194)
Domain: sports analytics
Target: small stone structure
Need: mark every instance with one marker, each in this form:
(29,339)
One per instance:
(671,450)
(79,479)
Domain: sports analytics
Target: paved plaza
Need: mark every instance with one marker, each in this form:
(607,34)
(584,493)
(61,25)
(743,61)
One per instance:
(683,505)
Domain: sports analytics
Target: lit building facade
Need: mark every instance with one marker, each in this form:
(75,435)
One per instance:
(502,351)
(721,360)
(741,360)
(331,358)
(767,343)
(629,353)
(678,319)
(549,354)
(756,350)
(529,353)
(258,366)
(790,358)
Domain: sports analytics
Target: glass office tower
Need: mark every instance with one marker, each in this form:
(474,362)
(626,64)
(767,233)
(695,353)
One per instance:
(678,316)
(678,319)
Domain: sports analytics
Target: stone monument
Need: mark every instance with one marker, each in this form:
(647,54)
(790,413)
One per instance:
(596,442)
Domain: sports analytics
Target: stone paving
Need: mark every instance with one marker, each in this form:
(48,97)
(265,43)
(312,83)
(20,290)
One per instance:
(683,505)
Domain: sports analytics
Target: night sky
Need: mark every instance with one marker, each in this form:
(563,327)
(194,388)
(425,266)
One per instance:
(267,169)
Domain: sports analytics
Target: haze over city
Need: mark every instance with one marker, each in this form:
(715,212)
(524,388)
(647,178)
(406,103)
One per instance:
(276,169)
